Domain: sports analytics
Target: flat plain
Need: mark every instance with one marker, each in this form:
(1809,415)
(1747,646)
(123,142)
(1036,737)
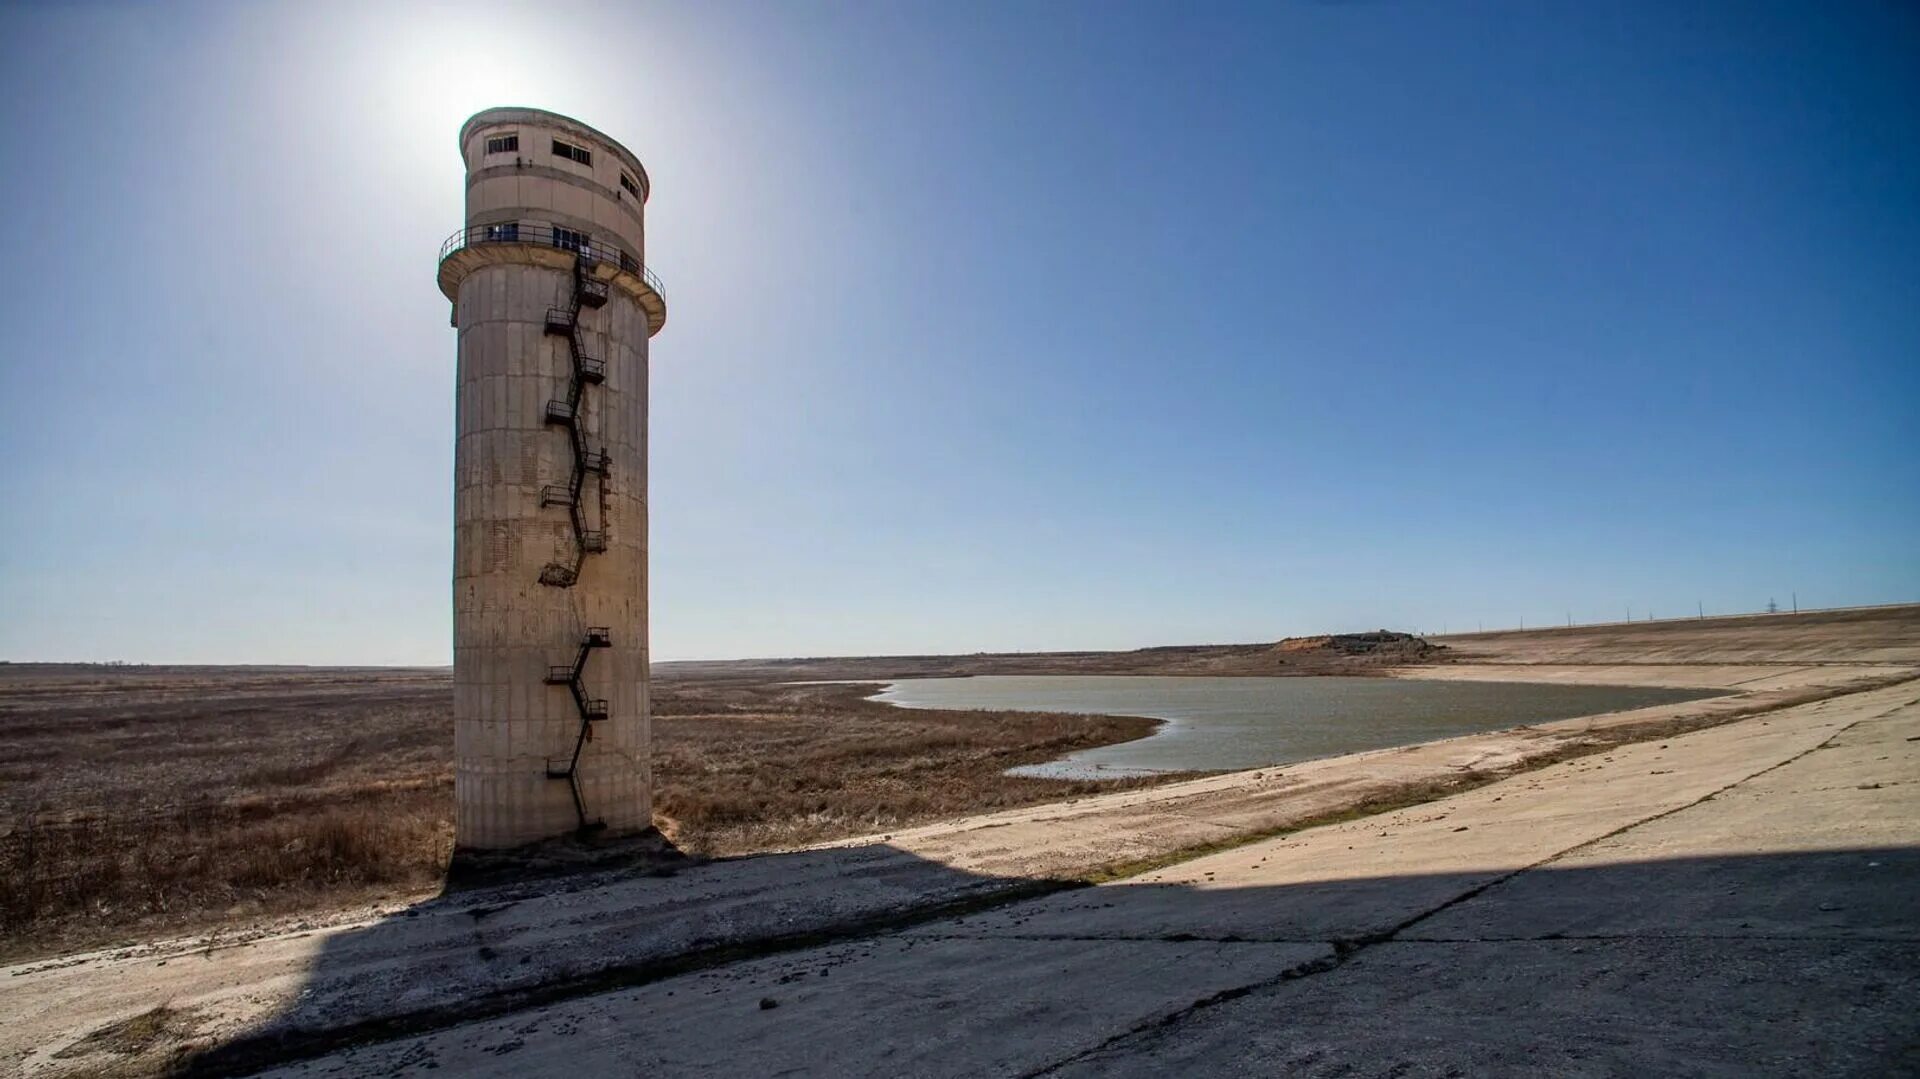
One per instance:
(416,979)
(141,800)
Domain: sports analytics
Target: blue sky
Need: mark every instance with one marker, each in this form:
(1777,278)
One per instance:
(992,327)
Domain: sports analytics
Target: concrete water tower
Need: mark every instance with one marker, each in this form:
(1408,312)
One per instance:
(554,305)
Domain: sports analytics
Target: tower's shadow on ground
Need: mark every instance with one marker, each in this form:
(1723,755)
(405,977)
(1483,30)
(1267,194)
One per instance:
(1619,966)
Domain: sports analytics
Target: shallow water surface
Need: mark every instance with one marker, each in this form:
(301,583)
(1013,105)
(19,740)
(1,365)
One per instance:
(1224,724)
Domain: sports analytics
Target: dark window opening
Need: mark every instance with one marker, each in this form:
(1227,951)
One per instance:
(503,144)
(626,181)
(570,151)
(569,240)
(503,234)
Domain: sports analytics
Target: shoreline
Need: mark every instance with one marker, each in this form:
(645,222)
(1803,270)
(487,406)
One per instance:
(1253,734)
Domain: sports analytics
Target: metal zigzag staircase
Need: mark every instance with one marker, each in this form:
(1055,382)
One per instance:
(588,292)
(565,412)
(591,709)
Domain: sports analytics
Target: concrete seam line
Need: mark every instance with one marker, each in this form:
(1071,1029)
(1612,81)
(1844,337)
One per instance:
(1346,949)
(1297,971)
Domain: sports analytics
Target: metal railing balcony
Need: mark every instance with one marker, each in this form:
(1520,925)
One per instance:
(560,412)
(534,232)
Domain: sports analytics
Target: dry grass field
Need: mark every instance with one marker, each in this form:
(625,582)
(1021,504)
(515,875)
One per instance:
(143,800)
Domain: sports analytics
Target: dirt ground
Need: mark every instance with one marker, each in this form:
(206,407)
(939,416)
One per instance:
(138,800)
(143,800)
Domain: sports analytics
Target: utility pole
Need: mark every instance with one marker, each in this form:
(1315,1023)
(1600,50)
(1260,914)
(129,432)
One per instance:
(1796,603)
(1702,608)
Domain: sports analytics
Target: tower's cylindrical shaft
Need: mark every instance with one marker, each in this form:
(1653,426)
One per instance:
(554,309)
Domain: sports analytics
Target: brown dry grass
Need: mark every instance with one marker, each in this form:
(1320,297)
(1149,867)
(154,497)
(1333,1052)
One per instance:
(742,767)
(141,801)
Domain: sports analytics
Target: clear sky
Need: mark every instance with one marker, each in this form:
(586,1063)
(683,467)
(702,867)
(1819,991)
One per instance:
(992,327)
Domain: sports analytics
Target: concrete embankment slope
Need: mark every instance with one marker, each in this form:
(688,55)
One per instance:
(1738,900)
(1745,654)
(1857,635)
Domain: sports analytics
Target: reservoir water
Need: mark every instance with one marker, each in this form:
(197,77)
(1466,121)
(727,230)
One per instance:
(1225,724)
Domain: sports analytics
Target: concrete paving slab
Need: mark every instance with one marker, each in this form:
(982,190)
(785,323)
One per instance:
(1704,1008)
(464,949)
(888,1007)
(1737,936)
(1813,848)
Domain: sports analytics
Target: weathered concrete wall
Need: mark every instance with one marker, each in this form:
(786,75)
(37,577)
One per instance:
(509,628)
(532,183)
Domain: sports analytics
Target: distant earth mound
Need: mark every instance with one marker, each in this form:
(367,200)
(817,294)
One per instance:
(1384,643)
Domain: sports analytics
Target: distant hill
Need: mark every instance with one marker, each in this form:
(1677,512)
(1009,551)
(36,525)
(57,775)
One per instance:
(1339,653)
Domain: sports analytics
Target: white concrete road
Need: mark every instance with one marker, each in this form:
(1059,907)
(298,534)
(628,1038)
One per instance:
(1743,900)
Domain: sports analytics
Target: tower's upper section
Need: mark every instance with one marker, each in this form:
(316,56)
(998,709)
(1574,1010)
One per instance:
(546,188)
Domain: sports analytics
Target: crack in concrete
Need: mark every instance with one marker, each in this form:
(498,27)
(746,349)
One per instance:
(1543,938)
(1347,949)
(1619,938)
(1097,938)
